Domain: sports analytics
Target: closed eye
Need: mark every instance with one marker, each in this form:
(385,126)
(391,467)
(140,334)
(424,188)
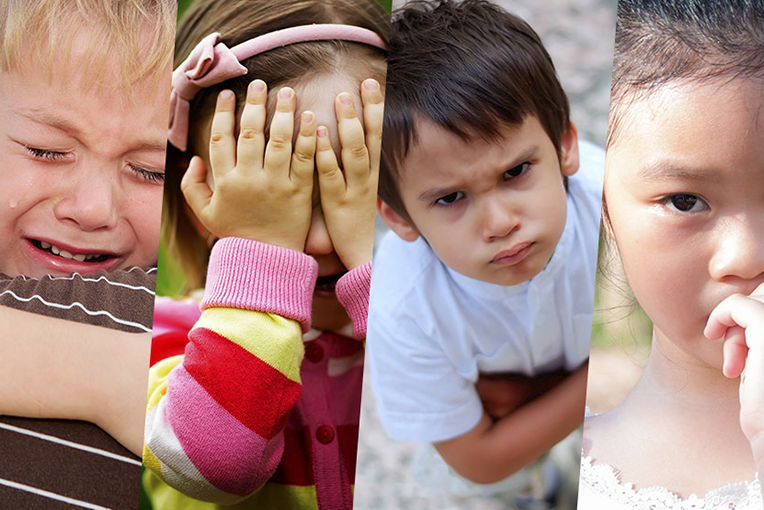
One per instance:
(45,154)
(147,175)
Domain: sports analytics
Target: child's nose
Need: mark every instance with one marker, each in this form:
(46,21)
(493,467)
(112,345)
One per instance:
(88,199)
(499,219)
(739,253)
(318,241)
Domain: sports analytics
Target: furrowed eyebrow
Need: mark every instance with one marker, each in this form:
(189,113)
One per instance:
(667,171)
(40,116)
(43,117)
(435,193)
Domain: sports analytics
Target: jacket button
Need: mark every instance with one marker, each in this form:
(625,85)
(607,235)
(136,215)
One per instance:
(325,434)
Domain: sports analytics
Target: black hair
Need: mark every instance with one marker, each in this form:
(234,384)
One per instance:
(658,41)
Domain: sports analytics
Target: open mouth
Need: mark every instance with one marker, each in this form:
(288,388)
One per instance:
(328,283)
(79,257)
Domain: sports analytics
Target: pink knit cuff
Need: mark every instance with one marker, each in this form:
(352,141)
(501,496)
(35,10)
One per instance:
(257,276)
(353,292)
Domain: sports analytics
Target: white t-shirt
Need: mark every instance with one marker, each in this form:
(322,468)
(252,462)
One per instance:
(432,331)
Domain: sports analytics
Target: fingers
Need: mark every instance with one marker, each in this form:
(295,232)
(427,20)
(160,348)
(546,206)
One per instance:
(278,152)
(739,320)
(330,178)
(222,144)
(195,188)
(304,150)
(736,310)
(355,156)
(373,117)
(735,352)
(252,133)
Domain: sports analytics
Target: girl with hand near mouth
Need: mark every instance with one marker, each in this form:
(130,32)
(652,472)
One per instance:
(684,205)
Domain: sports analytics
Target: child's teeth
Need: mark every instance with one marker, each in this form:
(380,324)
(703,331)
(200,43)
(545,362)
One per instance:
(80,257)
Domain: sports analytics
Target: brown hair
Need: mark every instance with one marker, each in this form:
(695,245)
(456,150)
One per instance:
(470,67)
(241,20)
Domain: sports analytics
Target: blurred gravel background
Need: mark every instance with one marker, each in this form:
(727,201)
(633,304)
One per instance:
(579,36)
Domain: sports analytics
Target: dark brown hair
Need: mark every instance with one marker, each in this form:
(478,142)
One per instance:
(470,67)
(241,20)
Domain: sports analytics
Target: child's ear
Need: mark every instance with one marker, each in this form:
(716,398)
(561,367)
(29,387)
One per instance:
(396,222)
(569,151)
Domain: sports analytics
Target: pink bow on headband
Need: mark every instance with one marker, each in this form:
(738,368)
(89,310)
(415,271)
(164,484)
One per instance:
(211,63)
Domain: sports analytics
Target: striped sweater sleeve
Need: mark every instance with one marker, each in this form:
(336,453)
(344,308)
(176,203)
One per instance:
(215,419)
(353,292)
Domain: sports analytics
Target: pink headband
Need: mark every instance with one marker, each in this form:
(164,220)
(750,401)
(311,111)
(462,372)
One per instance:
(211,63)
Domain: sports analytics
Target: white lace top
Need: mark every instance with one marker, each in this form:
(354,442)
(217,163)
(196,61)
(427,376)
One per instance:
(601,489)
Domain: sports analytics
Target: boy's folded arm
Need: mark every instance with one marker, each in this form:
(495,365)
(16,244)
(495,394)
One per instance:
(55,368)
(216,414)
(492,451)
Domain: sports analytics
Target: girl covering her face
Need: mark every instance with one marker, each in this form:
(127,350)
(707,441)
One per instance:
(277,115)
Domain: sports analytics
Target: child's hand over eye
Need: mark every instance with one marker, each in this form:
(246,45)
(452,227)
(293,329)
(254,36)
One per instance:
(348,197)
(739,320)
(262,192)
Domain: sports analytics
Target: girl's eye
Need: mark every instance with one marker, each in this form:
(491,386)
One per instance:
(147,175)
(46,155)
(517,171)
(685,203)
(450,199)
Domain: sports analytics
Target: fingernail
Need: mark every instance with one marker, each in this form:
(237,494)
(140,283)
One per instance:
(285,93)
(321,132)
(346,98)
(371,84)
(258,85)
(307,117)
(226,95)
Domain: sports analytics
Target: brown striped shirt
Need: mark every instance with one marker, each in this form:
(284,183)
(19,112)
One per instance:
(62,464)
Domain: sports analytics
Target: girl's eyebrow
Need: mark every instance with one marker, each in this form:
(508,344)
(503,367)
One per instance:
(669,171)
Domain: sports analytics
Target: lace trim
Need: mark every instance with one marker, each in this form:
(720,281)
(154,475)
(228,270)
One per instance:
(604,480)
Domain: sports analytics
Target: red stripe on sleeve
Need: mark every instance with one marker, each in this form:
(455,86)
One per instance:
(255,393)
(167,345)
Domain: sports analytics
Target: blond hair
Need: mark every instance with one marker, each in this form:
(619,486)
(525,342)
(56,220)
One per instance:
(139,33)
